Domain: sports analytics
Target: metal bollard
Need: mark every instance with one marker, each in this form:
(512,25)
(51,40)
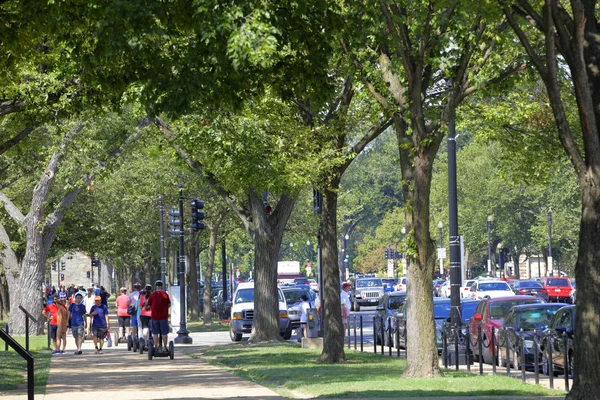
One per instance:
(397,325)
(523,358)
(361,334)
(389,336)
(456,339)
(493,350)
(354,325)
(550,363)
(6,330)
(480,344)
(26,332)
(374,337)
(536,361)
(468,350)
(566,361)
(507,338)
(444,348)
(382,338)
(48,334)
(348,334)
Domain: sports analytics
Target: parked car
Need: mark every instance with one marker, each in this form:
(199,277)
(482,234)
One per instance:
(559,288)
(389,305)
(242,312)
(441,311)
(490,313)
(401,285)
(437,283)
(467,310)
(292,298)
(444,290)
(465,289)
(490,289)
(562,322)
(313,285)
(532,288)
(366,292)
(388,284)
(528,317)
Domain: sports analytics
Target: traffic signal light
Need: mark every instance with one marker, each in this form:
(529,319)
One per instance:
(62,266)
(54,266)
(175,222)
(62,277)
(386,254)
(197,215)
(397,255)
(95,262)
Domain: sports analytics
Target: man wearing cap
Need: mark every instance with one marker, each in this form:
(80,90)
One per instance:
(100,324)
(51,313)
(345,300)
(89,301)
(78,324)
(159,304)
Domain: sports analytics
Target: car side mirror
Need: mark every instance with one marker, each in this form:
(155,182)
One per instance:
(380,308)
(477,317)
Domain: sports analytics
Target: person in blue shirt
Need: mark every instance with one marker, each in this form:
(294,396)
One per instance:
(100,324)
(77,318)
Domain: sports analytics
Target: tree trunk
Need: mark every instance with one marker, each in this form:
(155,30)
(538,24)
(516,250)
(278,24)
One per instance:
(422,358)
(4,298)
(194,307)
(333,327)
(587,274)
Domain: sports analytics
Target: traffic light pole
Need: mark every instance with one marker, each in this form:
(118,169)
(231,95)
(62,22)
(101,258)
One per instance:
(163,259)
(182,334)
(455,276)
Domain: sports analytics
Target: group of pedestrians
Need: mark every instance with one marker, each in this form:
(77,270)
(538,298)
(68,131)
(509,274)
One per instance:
(86,314)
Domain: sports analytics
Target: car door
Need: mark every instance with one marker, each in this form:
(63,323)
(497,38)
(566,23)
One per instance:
(473,324)
(559,342)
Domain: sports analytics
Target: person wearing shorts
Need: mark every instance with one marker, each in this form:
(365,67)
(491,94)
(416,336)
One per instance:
(158,304)
(88,301)
(122,303)
(134,298)
(345,300)
(51,313)
(145,314)
(78,322)
(100,324)
(62,320)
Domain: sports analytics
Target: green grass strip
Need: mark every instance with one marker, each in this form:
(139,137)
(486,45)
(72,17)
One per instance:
(293,371)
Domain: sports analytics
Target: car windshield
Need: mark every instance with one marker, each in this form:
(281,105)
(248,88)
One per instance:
(470,283)
(293,296)
(498,309)
(530,284)
(537,318)
(363,283)
(441,310)
(468,310)
(394,303)
(557,282)
(247,296)
(494,286)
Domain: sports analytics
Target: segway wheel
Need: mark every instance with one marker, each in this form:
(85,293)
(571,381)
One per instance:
(141,344)
(150,350)
(171,350)
(136,344)
(116,336)
(129,342)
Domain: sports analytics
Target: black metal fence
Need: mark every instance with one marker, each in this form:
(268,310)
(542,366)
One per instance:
(528,352)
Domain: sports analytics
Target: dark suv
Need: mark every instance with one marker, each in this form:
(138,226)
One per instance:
(388,306)
(562,322)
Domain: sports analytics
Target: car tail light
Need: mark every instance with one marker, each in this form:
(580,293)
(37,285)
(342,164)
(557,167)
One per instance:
(521,291)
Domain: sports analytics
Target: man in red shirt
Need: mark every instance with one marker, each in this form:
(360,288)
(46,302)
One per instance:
(159,304)
(51,313)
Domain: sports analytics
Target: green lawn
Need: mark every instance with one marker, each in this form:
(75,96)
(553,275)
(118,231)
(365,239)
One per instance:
(13,368)
(290,370)
(198,326)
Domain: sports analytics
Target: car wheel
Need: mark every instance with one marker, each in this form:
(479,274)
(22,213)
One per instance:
(356,306)
(352,306)
(235,337)
(288,332)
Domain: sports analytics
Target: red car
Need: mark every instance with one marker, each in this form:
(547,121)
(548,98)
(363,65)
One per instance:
(490,313)
(559,288)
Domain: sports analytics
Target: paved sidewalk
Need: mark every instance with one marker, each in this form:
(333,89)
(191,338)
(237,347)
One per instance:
(121,374)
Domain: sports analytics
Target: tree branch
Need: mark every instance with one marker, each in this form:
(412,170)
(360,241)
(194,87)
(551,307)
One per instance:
(391,79)
(505,73)
(11,106)
(15,140)
(12,210)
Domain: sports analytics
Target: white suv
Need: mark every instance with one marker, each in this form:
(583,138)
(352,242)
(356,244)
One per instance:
(242,312)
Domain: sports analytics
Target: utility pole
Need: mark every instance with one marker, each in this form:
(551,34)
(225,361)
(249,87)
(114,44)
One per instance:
(182,333)
(455,262)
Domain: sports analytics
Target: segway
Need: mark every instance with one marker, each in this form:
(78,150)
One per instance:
(132,343)
(154,351)
(122,339)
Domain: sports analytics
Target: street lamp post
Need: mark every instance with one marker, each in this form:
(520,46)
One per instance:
(346,238)
(182,333)
(441,228)
(489,232)
(500,257)
(403,258)
(550,268)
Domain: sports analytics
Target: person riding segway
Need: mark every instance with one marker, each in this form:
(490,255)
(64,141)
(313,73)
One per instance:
(145,318)
(159,304)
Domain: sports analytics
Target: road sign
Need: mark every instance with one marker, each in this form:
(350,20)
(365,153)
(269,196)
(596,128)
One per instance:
(390,269)
(441,253)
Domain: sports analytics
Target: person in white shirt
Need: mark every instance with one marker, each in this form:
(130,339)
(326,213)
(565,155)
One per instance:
(345,300)
(88,301)
(304,316)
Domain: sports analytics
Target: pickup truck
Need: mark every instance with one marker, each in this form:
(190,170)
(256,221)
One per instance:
(559,288)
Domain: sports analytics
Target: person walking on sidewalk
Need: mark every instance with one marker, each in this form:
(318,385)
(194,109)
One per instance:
(62,319)
(88,301)
(345,300)
(78,323)
(122,303)
(100,324)
(159,304)
(51,313)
